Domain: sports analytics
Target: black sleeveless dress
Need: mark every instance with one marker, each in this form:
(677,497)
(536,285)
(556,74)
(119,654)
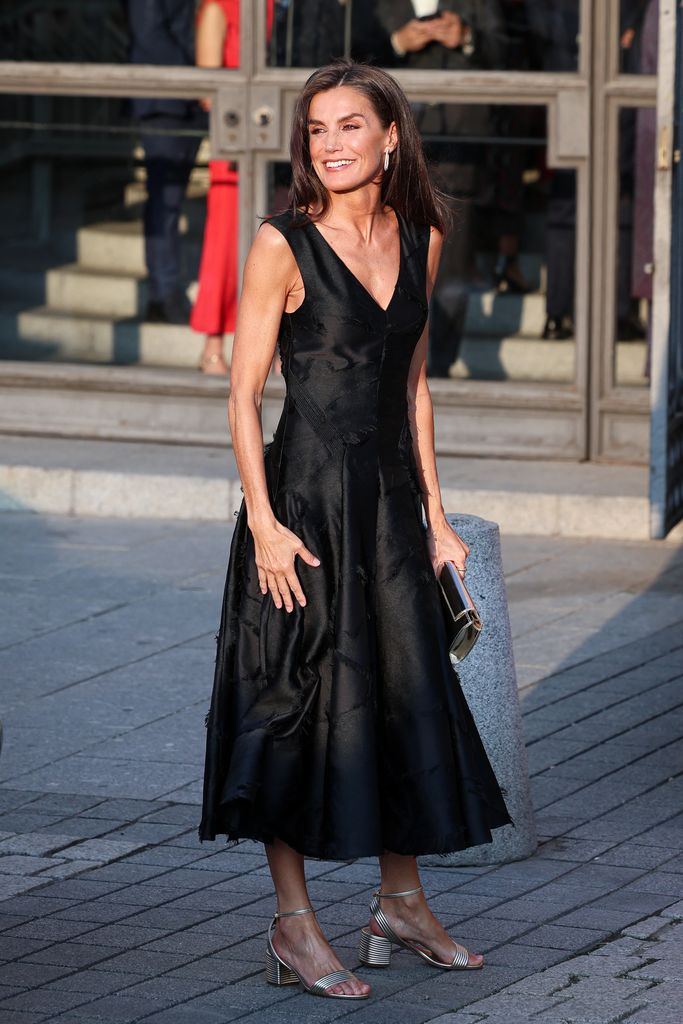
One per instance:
(341,727)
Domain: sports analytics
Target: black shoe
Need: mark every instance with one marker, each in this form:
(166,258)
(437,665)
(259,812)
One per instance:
(631,328)
(508,277)
(558,330)
(175,309)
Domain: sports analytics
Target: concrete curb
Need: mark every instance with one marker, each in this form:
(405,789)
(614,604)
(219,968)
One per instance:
(153,495)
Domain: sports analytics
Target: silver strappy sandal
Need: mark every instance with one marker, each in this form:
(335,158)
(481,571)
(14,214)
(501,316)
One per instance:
(280,973)
(375,950)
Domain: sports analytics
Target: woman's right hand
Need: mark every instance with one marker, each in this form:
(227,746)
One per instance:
(276,548)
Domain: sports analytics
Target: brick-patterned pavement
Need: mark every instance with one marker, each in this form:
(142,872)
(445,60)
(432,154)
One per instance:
(110,909)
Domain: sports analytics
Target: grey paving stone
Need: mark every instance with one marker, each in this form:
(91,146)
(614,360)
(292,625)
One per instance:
(145,962)
(104,850)
(28,975)
(12,948)
(174,814)
(35,844)
(188,1014)
(166,857)
(68,954)
(663,883)
(51,929)
(640,902)
(171,991)
(81,828)
(124,873)
(147,833)
(26,821)
(22,865)
(95,982)
(218,968)
(124,935)
(556,937)
(68,868)
(142,894)
(63,803)
(168,917)
(35,905)
(45,1000)
(117,1009)
(18,1017)
(193,944)
(11,885)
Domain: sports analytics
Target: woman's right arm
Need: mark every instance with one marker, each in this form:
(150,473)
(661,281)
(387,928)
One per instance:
(209,40)
(270,274)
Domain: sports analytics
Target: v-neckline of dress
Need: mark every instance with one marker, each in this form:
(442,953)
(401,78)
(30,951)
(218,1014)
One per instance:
(383,309)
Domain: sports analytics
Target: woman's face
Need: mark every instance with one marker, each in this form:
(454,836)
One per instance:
(346,139)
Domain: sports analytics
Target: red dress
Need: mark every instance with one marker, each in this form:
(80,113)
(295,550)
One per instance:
(215,310)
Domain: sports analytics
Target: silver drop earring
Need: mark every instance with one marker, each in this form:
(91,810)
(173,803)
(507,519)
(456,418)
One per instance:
(386,159)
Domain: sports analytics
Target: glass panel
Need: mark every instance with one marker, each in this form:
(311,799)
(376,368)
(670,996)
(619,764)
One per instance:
(503,305)
(65,30)
(102,220)
(516,34)
(638,36)
(637,145)
(111,31)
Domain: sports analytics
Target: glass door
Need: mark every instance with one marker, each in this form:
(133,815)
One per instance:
(535,118)
(503,104)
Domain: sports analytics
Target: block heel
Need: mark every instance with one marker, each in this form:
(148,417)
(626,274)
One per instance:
(277,973)
(374,950)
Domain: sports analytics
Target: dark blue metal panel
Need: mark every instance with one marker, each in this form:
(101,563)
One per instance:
(673,511)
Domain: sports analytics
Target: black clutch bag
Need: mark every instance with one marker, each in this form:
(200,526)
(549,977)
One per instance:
(463,624)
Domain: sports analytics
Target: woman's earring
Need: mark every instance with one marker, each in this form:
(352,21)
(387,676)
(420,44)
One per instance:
(386,159)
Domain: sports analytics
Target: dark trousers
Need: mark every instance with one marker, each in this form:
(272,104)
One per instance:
(169,160)
(561,245)
(448,306)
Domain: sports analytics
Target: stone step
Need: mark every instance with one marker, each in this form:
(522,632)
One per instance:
(48,333)
(105,478)
(44,333)
(118,246)
(77,289)
(182,406)
(532,359)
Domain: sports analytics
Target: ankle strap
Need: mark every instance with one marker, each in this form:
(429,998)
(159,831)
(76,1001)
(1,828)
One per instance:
(292,913)
(393,895)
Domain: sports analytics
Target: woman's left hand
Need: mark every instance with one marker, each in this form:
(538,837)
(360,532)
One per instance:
(445,545)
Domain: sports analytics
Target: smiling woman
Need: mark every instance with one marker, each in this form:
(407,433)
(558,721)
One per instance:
(337,726)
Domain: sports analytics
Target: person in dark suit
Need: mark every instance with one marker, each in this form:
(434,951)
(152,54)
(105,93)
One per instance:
(162,32)
(455,35)
(555,28)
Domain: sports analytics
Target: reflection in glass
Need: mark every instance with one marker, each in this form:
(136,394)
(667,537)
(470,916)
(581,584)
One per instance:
(492,34)
(61,30)
(503,304)
(637,134)
(638,36)
(101,230)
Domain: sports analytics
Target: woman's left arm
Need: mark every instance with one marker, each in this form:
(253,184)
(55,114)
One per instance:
(444,543)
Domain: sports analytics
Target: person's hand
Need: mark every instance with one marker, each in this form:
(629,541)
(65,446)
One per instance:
(626,41)
(413,36)
(448,30)
(445,545)
(276,548)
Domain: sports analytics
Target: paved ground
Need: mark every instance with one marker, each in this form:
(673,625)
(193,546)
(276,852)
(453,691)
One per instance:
(112,911)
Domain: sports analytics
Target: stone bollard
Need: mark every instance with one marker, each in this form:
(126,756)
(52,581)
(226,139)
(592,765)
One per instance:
(489,683)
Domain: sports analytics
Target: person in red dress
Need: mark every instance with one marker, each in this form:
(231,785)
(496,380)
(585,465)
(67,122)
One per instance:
(213,314)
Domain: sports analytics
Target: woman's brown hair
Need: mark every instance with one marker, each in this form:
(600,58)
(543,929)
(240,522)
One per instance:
(406,186)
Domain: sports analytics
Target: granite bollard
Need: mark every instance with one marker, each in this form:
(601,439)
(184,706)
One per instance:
(489,683)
